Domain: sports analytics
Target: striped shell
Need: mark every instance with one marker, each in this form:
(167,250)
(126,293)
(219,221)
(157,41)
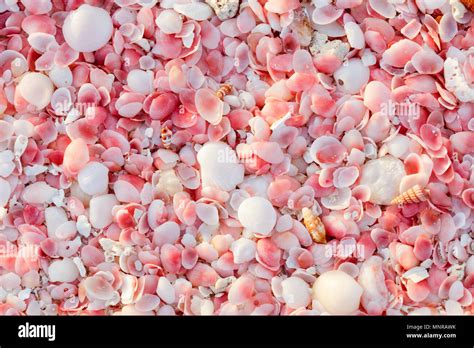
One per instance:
(224,90)
(166,134)
(315,226)
(414,195)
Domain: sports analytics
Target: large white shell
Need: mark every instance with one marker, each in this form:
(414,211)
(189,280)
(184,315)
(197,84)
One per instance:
(36,89)
(383,176)
(219,166)
(258,215)
(63,271)
(337,292)
(352,76)
(88,28)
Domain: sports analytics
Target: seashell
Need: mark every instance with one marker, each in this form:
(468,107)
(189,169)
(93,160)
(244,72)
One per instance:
(36,88)
(224,9)
(166,135)
(224,90)
(337,292)
(414,195)
(315,226)
(296,292)
(258,215)
(468,4)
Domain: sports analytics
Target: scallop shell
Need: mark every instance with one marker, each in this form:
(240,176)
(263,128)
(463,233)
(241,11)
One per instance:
(414,195)
(314,226)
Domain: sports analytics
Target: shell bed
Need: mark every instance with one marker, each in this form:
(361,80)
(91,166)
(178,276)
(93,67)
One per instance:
(226,157)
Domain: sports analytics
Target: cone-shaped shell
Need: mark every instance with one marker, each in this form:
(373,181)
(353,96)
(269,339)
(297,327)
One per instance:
(314,226)
(414,195)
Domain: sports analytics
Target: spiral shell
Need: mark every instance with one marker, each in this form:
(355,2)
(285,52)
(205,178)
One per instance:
(224,90)
(414,195)
(315,226)
(166,134)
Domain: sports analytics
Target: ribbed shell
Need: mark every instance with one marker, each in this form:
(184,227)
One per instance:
(315,226)
(224,90)
(414,195)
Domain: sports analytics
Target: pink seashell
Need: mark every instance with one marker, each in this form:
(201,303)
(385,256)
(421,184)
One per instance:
(404,255)
(372,279)
(170,258)
(463,141)
(98,288)
(427,61)
(447,27)
(76,156)
(423,247)
(345,177)
(202,275)
(400,53)
(268,254)
(209,106)
(241,290)
(327,150)
(417,292)
(280,6)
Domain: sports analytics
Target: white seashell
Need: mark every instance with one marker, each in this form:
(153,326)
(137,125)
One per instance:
(100,210)
(39,193)
(167,233)
(416,274)
(244,250)
(337,292)
(140,81)
(257,215)
(21,142)
(83,226)
(453,308)
(296,292)
(456,82)
(198,11)
(207,213)
(87,28)
(80,266)
(169,183)
(220,167)
(61,77)
(40,41)
(5,192)
(339,200)
(351,76)
(93,178)
(355,36)
(224,9)
(166,291)
(169,22)
(54,217)
(36,89)
(383,177)
(63,271)
(66,230)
